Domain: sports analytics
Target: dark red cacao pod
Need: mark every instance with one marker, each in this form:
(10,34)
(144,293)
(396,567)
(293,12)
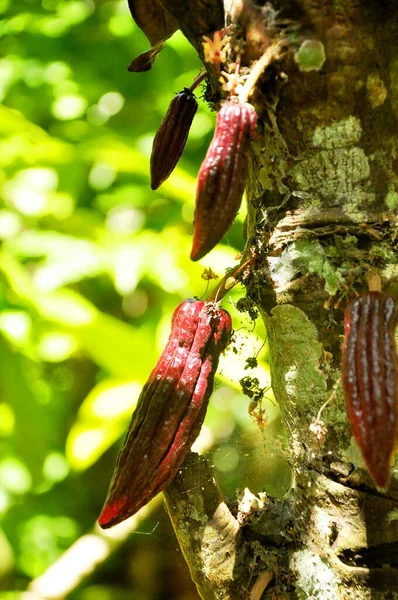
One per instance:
(222,176)
(171,136)
(370,380)
(170,410)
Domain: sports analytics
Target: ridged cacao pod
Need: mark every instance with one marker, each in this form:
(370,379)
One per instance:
(171,136)
(370,380)
(170,410)
(222,176)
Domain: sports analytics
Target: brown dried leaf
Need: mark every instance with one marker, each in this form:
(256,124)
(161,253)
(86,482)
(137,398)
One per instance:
(155,21)
(144,61)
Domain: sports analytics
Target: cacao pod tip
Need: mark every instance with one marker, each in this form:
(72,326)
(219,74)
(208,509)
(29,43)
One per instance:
(197,253)
(200,246)
(155,184)
(113,513)
(379,469)
(380,476)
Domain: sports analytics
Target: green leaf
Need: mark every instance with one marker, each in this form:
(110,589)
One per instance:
(101,420)
(120,349)
(30,435)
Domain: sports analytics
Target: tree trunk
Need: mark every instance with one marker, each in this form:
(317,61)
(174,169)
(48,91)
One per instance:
(322,210)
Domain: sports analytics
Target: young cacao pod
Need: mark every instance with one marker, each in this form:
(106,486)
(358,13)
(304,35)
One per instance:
(170,410)
(222,176)
(171,136)
(370,380)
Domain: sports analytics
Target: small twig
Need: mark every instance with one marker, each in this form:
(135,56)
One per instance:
(324,405)
(227,283)
(271,54)
(202,75)
(285,200)
(317,427)
(264,578)
(84,556)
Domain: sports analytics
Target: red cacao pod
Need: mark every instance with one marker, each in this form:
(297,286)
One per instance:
(170,410)
(222,176)
(370,380)
(171,136)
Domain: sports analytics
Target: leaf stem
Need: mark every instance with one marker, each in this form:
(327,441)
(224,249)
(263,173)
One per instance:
(202,75)
(264,578)
(271,54)
(227,283)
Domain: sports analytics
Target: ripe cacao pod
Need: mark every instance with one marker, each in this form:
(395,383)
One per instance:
(370,380)
(170,410)
(222,176)
(171,136)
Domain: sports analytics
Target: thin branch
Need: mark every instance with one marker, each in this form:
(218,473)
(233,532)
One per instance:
(264,578)
(270,55)
(84,556)
(208,534)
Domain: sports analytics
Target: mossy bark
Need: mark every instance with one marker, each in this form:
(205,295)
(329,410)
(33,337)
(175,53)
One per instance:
(322,210)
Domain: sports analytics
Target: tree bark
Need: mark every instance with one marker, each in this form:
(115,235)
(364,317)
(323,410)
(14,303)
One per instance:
(322,210)
(209,535)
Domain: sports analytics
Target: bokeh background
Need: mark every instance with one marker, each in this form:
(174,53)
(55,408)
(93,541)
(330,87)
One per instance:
(92,265)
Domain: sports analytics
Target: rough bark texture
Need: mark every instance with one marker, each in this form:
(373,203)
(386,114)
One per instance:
(208,534)
(322,198)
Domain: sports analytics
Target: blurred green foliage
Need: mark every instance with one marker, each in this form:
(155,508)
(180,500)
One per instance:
(92,265)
